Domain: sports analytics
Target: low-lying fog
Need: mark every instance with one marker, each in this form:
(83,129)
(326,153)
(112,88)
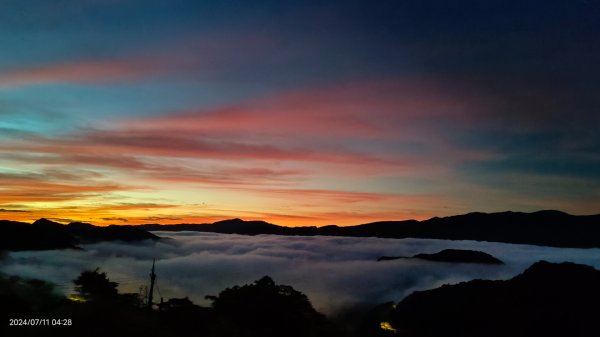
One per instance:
(335,272)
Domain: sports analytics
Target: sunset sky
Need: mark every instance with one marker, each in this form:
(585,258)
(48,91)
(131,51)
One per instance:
(297,112)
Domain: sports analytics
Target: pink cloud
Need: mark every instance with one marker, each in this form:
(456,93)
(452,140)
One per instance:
(317,123)
(118,144)
(372,109)
(51,187)
(208,52)
(90,71)
(339,199)
(335,195)
(354,129)
(273,147)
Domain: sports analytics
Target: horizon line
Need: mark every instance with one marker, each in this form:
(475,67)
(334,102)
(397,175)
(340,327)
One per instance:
(62,221)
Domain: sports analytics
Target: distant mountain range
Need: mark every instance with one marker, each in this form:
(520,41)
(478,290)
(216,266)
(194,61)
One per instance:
(544,228)
(451,255)
(45,234)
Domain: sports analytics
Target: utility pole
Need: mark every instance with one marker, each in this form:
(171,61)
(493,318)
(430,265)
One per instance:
(152,278)
(143,295)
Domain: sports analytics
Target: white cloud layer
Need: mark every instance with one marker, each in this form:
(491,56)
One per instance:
(335,272)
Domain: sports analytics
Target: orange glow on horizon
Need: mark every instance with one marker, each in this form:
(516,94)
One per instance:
(105,218)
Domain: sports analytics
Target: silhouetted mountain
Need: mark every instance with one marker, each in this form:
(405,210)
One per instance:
(40,235)
(546,228)
(459,255)
(452,255)
(232,226)
(547,299)
(46,234)
(87,233)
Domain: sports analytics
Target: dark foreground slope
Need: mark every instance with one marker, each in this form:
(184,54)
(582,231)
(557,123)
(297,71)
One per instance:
(45,234)
(545,228)
(546,300)
(260,309)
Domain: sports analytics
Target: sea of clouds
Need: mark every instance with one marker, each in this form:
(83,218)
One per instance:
(336,273)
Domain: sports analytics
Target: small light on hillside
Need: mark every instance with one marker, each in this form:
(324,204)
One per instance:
(387,327)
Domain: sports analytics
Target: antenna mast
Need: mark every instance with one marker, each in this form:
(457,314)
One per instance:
(152,278)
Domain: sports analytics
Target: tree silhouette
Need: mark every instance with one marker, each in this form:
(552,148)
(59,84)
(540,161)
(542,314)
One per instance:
(262,308)
(95,286)
(267,309)
(21,297)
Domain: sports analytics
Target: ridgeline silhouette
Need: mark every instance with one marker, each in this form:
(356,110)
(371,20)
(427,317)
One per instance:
(544,228)
(44,234)
(451,255)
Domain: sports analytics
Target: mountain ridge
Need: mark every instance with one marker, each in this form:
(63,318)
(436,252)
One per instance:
(450,255)
(544,228)
(44,234)
(547,299)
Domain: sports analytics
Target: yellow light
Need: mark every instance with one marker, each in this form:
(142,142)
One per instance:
(387,327)
(75,298)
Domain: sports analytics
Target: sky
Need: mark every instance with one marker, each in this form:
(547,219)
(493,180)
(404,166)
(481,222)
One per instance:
(297,112)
